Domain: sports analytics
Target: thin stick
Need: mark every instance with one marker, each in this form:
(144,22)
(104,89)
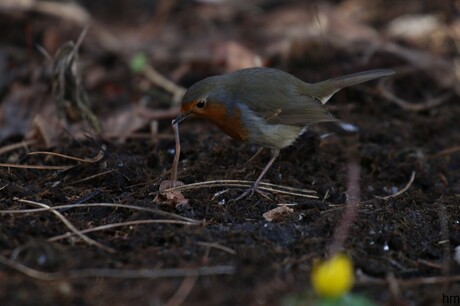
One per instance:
(92,160)
(240,183)
(393,285)
(184,290)
(343,229)
(117,273)
(234,183)
(14,146)
(138,136)
(35,167)
(70,226)
(217,246)
(158,79)
(151,114)
(445,152)
(81,38)
(419,281)
(411,180)
(26,270)
(443,220)
(254,156)
(94,176)
(114,205)
(120,224)
(175,163)
(383,86)
(44,52)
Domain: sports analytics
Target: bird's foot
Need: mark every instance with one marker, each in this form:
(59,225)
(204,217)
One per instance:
(249,193)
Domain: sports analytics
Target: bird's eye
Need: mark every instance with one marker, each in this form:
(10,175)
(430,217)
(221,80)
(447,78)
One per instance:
(201,104)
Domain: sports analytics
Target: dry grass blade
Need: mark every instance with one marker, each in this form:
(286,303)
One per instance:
(158,79)
(120,224)
(156,114)
(444,152)
(22,144)
(417,281)
(69,225)
(93,176)
(114,205)
(411,180)
(387,93)
(353,198)
(217,246)
(443,220)
(26,270)
(81,38)
(65,10)
(92,160)
(68,84)
(114,273)
(151,274)
(240,183)
(36,167)
(184,290)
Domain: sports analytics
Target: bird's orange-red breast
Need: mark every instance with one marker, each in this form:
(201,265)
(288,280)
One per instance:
(265,106)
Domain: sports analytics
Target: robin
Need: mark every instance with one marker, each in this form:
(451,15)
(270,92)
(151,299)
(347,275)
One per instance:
(265,106)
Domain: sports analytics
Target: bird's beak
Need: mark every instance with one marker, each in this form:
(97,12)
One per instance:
(181,117)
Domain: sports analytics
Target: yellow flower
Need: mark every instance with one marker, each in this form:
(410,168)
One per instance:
(333,277)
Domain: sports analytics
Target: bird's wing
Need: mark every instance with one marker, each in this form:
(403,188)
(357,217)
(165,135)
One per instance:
(304,110)
(277,96)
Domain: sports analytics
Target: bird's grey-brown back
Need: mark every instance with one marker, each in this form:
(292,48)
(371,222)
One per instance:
(275,95)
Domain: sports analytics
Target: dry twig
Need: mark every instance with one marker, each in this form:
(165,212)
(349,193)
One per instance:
(92,160)
(120,224)
(36,167)
(68,84)
(411,180)
(156,114)
(158,79)
(417,281)
(93,176)
(306,193)
(444,152)
(22,144)
(343,229)
(217,246)
(69,225)
(443,220)
(113,205)
(184,290)
(387,92)
(95,159)
(116,273)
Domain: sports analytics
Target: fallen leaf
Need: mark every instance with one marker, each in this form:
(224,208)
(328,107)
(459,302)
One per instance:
(278,213)
(172,198)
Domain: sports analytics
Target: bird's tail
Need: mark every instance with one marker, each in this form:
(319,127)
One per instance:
(326,89)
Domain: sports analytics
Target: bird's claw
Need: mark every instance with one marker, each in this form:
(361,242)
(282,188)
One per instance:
(249,193)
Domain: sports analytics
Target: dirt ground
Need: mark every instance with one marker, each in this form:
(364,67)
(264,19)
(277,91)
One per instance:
(209,251)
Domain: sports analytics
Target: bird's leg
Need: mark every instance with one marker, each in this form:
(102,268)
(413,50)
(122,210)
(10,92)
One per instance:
(275,153)
(254,156)
(250,191)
